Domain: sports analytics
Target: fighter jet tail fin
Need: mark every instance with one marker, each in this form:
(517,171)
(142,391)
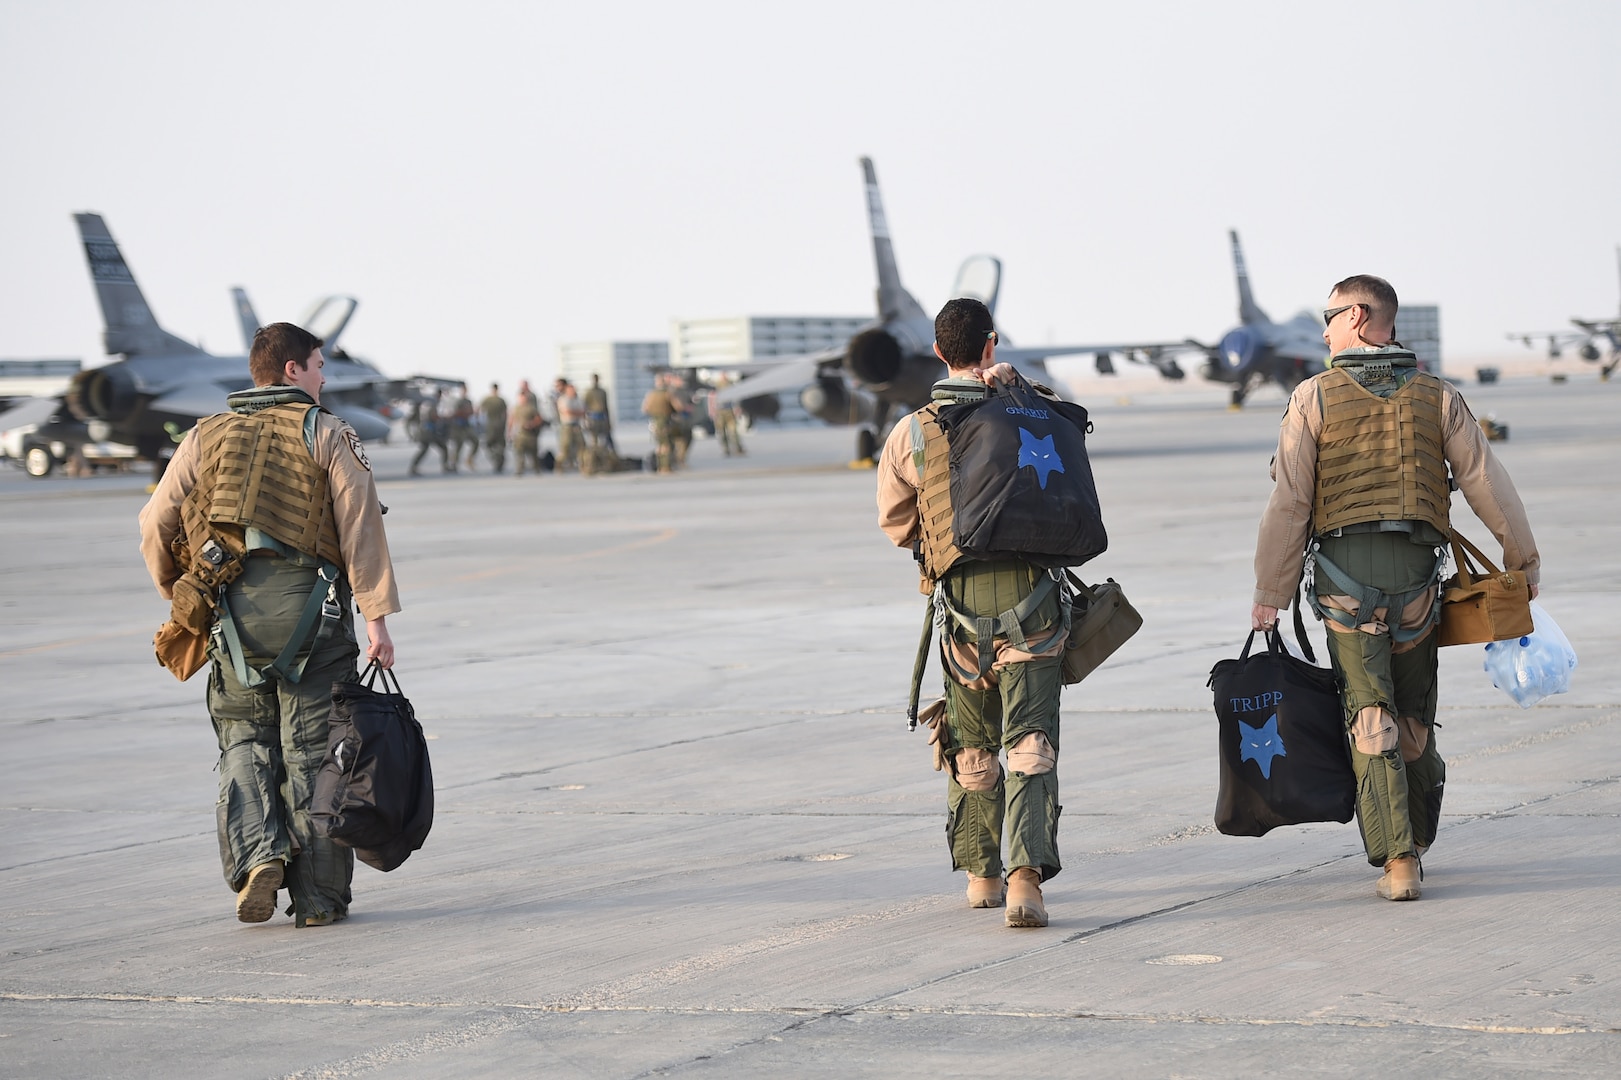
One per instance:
(130,326)
(1248,311)
(246,315)
(894,302)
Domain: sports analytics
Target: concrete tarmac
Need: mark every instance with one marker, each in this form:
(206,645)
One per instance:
(683,831)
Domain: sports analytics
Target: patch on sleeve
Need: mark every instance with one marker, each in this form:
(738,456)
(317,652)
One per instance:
(358,450)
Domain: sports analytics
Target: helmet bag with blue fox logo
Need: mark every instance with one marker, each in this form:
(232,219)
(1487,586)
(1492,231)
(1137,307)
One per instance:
(1021,483)
(1281,731)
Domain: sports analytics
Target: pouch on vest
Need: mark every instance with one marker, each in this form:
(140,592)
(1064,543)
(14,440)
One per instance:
(181,650)
(1021,482)
(192,606)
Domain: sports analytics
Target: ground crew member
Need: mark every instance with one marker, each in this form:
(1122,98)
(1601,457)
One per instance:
(570,418)
(433,429)
(462,435)
(725,418)
(313,544)
(525,426)
(680,419)
(493,412)
(1013,705)
(598,418)
(658,409)
(1362,489)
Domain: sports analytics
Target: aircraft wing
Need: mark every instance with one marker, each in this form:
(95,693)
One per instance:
(1016,356)
(777,375)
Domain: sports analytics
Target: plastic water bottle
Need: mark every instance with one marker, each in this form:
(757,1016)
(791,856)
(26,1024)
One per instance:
(1533,667)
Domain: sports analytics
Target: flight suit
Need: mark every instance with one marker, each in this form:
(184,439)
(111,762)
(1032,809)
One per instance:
(1387,658)
(272,734)
(1013,706)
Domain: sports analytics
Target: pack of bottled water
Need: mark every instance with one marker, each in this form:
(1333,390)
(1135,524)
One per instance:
(1533,667)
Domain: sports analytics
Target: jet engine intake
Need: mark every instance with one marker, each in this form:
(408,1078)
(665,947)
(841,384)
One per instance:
(1236,353)
(873,357)
(1589,351)
(106,393)
(831,402)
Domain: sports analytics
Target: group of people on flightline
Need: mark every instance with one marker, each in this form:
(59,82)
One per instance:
(457,429)
(1360,492)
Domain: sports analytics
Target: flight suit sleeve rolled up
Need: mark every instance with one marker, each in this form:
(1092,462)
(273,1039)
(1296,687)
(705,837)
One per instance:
(898,487)
(359,517)
(1286,522)
(1486,485)
(160,517)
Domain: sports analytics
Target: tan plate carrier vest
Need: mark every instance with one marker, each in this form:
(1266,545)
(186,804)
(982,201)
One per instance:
(1379,459)
(257,470)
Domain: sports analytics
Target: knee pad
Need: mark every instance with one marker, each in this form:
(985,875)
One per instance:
(1374,729)
(1032,755)
(976,769)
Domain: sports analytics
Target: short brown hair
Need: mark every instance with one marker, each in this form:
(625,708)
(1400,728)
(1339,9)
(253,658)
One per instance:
(1372,291)
(274,346)
(961,330)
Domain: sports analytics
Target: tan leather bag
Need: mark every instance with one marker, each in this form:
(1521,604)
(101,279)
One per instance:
(1478,605)
(1101,620)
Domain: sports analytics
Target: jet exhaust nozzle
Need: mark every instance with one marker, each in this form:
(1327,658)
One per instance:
(874,358)
(831,402)
(102,394)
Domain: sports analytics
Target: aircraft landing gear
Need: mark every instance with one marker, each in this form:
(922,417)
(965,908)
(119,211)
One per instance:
(866,447)
(38,461)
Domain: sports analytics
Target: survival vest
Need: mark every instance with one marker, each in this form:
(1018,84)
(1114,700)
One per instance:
(1014,481)
(257,471)
(1379,458)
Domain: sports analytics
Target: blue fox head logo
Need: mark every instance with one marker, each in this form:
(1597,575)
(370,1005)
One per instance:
(1261,745)
(1040,454)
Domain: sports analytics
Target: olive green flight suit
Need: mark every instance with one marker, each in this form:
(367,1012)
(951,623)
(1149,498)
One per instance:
(1023,699)
(263,809)
(1398,792)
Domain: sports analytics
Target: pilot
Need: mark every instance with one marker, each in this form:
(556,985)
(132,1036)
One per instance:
(313,544)
(1015,704)
(1371,514)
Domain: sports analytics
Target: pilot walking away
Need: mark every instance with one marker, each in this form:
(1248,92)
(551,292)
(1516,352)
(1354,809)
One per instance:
(1361,488)
(266,532)
(1001,694)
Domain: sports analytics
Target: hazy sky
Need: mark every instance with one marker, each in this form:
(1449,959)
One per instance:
(494,179)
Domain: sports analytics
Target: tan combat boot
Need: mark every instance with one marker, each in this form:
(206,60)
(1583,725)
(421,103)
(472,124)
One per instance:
(986,891)
(257,900)
(1024,906)
(1401,880)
